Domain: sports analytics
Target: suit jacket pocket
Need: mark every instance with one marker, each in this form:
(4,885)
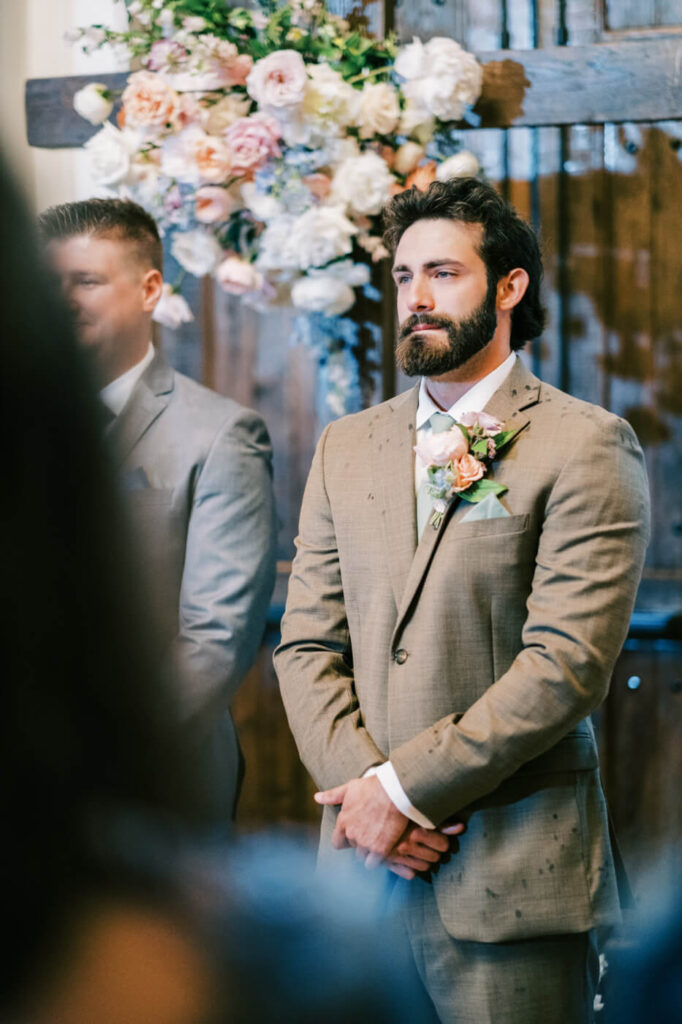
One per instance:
(487,527)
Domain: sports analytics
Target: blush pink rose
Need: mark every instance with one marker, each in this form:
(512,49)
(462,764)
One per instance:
(278,80)
(468,470)
(488,424)
(238,277)
(148,101)
(212,203)
(252,140)
(439,449)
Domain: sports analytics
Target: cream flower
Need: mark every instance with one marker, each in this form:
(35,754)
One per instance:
(216,118)
(462,165)
(93,102)
(378,110)
(194,157)
(328,97)
(407,157)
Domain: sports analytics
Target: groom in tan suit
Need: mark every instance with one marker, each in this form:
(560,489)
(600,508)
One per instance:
(440,672)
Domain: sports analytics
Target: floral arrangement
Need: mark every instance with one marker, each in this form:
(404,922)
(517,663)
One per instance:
(266,143)
(457,460)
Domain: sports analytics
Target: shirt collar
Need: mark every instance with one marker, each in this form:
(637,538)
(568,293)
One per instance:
(117,392)
(474,400)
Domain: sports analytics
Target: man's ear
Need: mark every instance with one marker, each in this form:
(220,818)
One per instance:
(152,284)
(511,288)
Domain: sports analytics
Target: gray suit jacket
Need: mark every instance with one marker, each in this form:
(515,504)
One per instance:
(473,658)
(196,469)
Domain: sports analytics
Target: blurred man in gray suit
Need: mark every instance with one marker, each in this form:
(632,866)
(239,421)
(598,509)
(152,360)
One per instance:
(196,468)
(439,661)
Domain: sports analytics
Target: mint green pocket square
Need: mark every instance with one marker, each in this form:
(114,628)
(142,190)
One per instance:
(490,508)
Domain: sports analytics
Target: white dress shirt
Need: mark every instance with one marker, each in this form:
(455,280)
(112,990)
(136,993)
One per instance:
(117,392)
(475,400)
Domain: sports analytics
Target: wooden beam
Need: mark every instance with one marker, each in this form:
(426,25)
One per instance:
(606,82)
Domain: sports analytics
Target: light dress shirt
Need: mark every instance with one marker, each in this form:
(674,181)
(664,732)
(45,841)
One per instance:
(117,392)
(475,400)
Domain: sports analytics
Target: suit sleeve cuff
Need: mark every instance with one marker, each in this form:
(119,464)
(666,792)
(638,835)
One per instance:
(394,791)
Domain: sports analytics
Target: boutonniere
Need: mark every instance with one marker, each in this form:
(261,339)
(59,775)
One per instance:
(457,460)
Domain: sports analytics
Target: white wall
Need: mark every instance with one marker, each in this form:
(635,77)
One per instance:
(32,46)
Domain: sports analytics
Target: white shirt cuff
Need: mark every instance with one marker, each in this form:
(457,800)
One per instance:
(388,778)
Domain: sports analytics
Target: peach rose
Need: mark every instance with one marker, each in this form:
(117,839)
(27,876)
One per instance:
(212,203)
(252,140)
(422,177)
(468,470)
(212,157)
(439,449)
(148,101)
(319,184)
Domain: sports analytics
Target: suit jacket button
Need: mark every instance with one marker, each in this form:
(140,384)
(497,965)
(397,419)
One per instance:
(400,656)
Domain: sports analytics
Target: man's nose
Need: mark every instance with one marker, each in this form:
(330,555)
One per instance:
(420,298)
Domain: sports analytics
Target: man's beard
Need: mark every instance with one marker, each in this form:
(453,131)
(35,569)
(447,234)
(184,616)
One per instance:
(465,338)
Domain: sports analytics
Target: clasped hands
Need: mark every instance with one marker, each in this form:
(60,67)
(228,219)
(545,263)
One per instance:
(381,834)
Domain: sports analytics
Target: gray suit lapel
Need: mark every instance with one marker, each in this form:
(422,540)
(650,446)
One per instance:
(392,440)
(150,397)
(519,391)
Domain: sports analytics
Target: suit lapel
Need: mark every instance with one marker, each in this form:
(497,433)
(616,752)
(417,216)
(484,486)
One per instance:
(519,391)
(392,447)
(149,398)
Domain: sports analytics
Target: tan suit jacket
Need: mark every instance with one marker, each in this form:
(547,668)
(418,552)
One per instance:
(473,658)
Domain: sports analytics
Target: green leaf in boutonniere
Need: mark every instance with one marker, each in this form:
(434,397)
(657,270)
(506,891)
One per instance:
(481,489)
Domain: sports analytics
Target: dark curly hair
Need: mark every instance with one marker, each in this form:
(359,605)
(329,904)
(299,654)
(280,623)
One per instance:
(508,242)
(114,218)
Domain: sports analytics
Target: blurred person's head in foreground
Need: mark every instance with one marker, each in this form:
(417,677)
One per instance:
(108,257)
(87,734)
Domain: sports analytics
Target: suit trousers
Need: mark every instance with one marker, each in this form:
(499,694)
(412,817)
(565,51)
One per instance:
(548,979)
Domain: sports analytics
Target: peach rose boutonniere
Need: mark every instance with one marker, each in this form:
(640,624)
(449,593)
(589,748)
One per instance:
(457,460)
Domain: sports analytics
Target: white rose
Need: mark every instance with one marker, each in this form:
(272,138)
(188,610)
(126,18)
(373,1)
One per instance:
(410,61)
(322,294)
(275,251)
(445,57)
(407,157)
(262,205)
(321,234)
(378,111)
(196,251)
(93,103)
(363,183)
(171,310)
(109,153)
(462,165)
(238,276)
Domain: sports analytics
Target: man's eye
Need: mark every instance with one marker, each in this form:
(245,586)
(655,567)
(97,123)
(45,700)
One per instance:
(402,279)
(445,273)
